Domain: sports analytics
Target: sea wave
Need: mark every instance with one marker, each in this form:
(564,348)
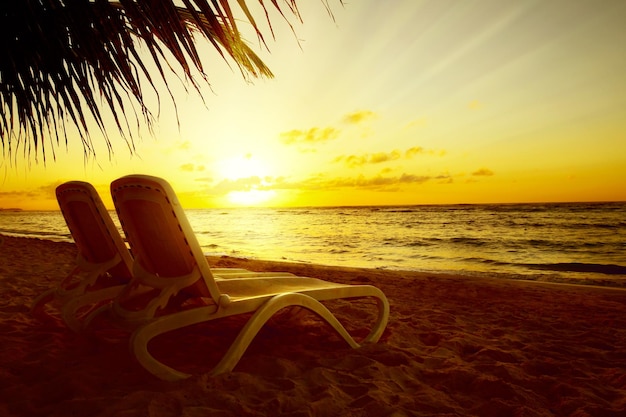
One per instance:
(42,234)
(547,242)
(607,269)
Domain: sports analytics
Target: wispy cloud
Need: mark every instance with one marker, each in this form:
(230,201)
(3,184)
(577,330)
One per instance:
(317,135)
(49,189)
(239,184)
(176,146)
(192,167)
(378,182)
(374,183)
(383,183)
(416,150)
(483,172)
(358,116)
(43,192)
(207,180)
(365,159)
(19,194)
(380,157)
(310,136)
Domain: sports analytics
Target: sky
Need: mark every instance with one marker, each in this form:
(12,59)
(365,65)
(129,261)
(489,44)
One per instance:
(386,103)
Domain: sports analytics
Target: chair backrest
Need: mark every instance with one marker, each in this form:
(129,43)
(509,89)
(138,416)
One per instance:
(96,236)
(159,233)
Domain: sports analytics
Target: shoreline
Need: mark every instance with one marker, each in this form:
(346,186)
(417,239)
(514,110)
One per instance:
(557,278)
(454,346)
(300,268)
(538,243)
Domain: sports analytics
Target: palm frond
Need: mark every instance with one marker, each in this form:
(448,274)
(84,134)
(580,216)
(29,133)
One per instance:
(62,60)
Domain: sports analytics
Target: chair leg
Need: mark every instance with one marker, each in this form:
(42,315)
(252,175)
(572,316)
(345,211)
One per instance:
(142,336)
(383,315)
(42,300)
(262,315)
(70,309)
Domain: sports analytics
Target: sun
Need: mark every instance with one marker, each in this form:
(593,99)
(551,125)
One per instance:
(242,166)
(250,198)
(246,173)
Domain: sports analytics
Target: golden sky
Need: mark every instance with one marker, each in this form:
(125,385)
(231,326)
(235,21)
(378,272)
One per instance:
(402,102)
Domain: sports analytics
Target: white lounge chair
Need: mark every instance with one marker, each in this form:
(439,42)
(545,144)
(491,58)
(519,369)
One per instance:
(103,264)
(173,286)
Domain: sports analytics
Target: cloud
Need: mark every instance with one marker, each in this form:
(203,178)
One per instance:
(191,167)
(239,184)
(418,150)
(411,152)
(177,146)
(19,194)
(320,182)
(50,188)
(376,158)
(358,116)
(226,186)
(313,135)
(43,192)
(376,183)
(380,157)
(483,172)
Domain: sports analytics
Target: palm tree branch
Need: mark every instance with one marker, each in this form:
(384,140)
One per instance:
(59,56)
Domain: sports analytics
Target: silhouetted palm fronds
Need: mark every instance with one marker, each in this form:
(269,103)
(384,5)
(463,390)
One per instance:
(63,61)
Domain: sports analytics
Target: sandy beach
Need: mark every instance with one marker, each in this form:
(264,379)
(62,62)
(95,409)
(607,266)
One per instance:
(454,346)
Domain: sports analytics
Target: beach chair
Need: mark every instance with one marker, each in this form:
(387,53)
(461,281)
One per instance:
(173,286)
(103,264)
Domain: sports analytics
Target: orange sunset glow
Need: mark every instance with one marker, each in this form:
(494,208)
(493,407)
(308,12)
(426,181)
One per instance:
(413,102)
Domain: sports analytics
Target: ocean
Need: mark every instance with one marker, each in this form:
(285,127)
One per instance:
(582,243)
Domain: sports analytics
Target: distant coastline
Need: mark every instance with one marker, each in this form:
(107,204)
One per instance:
(376,207)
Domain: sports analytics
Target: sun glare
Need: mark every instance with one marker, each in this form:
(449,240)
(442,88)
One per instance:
(250,198)
(243,166)
(247,170)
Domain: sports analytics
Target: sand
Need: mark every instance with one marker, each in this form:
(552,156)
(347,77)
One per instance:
(454,346)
